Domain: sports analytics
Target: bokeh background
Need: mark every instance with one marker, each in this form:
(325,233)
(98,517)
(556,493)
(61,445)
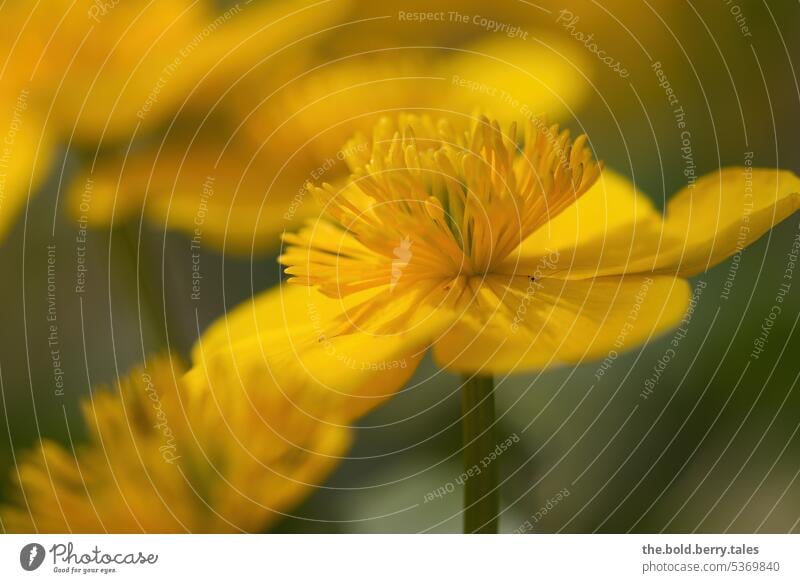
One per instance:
(713,448)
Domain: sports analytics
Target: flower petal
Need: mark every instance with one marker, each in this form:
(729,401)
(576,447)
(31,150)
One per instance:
(238,200)
(513,80)
(724,212)
(356,355)
(514,325)
(608,228)
(141,63)
(161,457)
(27,154)
(613,229)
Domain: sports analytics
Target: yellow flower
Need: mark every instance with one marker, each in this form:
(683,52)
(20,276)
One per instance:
(164,458)
(233,171)
(85,72)
(505,252)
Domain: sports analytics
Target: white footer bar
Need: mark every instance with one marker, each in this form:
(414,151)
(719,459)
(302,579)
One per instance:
(401,558)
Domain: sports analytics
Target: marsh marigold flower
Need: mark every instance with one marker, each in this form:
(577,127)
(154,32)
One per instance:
(504,250)
(162,457)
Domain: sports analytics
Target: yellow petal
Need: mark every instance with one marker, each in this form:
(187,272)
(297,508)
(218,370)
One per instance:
(613,229)
(724,212)
(225,199)
(353,354)
(135,65)
(26,153)
(162,457)
(515,325)
(512,80)
(324,106)
(609,228)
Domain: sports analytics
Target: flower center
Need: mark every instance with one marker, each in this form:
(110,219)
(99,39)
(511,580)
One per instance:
(436,202)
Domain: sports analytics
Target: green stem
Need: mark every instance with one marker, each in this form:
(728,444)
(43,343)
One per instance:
(481,490)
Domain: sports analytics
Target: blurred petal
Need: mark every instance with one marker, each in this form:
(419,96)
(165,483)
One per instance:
(164,458)
(226,199)
(511,79)
(26,153)
(135,64)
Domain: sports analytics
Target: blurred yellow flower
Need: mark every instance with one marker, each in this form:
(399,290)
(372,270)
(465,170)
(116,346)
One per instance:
(232,171)
(164,458)
(85,72)
(505,251)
